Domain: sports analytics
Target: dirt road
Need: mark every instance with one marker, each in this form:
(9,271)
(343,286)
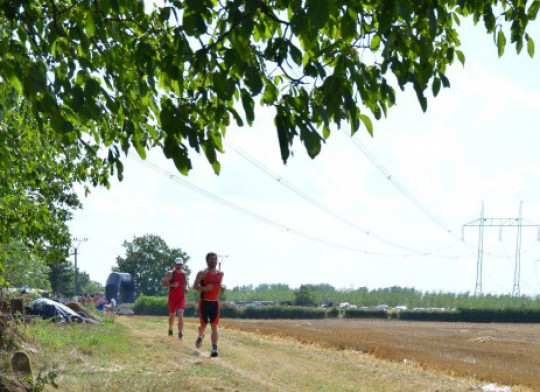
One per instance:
(251,362)
(508,354)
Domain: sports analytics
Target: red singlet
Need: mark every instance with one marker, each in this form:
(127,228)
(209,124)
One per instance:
(177,298)
(214,279)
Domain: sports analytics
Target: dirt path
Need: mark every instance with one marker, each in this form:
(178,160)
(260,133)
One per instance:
(508,354)
(251,362)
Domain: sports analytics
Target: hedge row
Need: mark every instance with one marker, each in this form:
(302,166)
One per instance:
(365,313)
(157,306)
(475,316)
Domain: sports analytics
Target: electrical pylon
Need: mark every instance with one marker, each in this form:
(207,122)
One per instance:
(481,223)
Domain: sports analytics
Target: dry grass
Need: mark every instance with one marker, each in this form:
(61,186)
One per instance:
(508,354)
(134,354)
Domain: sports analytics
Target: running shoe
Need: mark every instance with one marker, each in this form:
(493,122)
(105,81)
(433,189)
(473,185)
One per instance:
(213,353)
(170,332)
(180,335)
(198,342)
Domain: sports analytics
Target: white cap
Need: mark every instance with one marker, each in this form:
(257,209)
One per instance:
(178,260)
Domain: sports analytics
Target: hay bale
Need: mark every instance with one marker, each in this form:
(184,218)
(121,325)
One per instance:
(79,308)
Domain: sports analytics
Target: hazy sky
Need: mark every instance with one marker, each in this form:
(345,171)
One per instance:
(374,212)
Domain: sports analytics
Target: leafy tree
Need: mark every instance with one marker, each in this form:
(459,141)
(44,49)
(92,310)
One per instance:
(304,296)
(111,74)
(37,174)
(84,82)
(89,286)
(62,278)
(22,267)
(147,259)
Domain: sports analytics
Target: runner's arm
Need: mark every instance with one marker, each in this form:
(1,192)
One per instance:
(222,286)
(197,284)
(186,286)
(167,280)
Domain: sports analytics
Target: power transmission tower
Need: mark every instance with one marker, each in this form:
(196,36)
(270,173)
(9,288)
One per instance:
(482,222)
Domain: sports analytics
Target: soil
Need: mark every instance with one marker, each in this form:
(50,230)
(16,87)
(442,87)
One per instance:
(507,354)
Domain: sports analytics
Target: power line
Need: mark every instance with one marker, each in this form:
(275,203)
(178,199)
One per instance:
(379,166)
(280,180)
(266,220)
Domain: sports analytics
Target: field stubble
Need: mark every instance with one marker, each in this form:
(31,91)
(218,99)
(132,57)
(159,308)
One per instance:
(135,354)
(507,354)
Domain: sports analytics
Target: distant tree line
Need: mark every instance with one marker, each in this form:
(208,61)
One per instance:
(326,294)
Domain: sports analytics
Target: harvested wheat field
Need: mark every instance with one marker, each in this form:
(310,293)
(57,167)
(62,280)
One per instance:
(507,354)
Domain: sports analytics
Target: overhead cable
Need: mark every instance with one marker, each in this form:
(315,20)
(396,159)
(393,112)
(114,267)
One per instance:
(323,207)
(266,220)
(380,167)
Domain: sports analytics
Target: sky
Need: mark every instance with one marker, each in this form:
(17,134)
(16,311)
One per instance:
(395,209)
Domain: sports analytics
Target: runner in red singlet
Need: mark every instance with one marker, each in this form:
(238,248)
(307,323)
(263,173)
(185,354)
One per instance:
(208,282)
(176,281)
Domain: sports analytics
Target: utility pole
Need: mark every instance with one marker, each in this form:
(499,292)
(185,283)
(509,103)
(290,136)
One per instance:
(479,260)
(220,259)
(75,249)
(500,223)
(517,266)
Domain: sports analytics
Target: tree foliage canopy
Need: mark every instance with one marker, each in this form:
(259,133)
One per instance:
(113,74)
(22,267)
(148,258)
(83,82)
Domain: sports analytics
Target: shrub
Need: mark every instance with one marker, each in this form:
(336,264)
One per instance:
(151,306)
(364,313)
(229,310)
(426,315)
(332,312)
(282,312)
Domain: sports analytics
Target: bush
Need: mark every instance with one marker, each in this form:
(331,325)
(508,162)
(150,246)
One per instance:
(499,315)
(229,310)
(332,312)
(425,315)
(282,312)
(151,306)
(364,313)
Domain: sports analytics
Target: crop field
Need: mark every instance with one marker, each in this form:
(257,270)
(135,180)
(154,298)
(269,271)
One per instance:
(135,354)
(507,354)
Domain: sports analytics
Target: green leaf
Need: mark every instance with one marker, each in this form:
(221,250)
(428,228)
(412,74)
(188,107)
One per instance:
(139,148)
(460,56)
(312,141)
(253,80)
(348,26)
(519,45)
(248,104)
(296,54)
(13,79)
(326,132)
(445,81)
(236,116)
(530,46)
(270,94)
(375,42)
(90,25)
(283,125)
(193,23)
(318,12)
(367,122)
(436,86)
(501,43)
